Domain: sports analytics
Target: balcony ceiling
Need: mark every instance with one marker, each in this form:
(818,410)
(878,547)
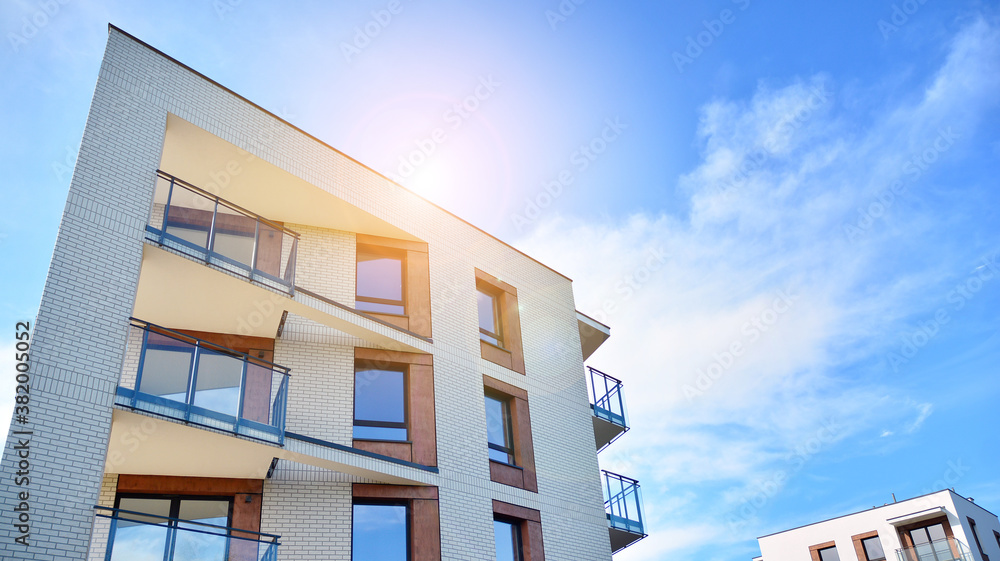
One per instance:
(209,162)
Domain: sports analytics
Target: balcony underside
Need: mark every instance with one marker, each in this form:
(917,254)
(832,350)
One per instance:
(605,431)
(182,293)
(145,445)
(620,539)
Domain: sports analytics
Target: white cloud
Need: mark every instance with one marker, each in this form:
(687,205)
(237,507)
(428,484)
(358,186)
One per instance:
(766,265)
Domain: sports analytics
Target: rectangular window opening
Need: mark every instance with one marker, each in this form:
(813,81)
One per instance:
(490,326)
(499,431)
(380,531)
(380,281)
(380,405)
(507,537)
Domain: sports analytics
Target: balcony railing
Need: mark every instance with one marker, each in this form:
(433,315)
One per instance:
(136,535)
(201,225)
(608,405)
(623,505)
(190,379)
(948,549)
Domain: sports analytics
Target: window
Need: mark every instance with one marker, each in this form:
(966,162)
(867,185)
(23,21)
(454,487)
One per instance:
(517,533)
(489,318)
(380,284)
(931,543)
(997,536)
(975,535)
(393,282)
(498,429)
(394,405)
(873,549)
(380,404)
(829,554)
(507,536)
(499,322)
(395,523)
(508,435)
(380,532)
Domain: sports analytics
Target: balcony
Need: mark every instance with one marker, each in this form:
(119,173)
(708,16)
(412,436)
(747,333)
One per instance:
(136,535)
(610,418)
(198,224)
(198,382)
(948,549)
(623,504)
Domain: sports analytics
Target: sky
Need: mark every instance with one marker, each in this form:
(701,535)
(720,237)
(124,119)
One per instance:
(787,212)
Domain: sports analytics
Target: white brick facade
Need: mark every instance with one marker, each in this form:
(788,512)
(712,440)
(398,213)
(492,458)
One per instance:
(81,331)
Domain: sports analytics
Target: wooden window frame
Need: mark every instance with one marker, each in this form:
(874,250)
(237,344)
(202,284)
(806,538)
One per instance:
(522,474)
(859,547)
(511,354)
(530,522)
(815,549)
(423,517)
(416,297)
(418,375)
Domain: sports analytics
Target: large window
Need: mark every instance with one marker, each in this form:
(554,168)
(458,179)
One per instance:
(380,284)
(507,536)
(975,535)
(380,532)
(873,549)
(148,537)
(380,404)
(489,318)
(499,433)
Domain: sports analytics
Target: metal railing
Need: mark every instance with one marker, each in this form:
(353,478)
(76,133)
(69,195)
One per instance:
(199,224)
(134,535)
(606,398)
(623,503)
(187,378)
(948,549)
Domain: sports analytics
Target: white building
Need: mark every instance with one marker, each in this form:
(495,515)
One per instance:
(252,347)
(941,526)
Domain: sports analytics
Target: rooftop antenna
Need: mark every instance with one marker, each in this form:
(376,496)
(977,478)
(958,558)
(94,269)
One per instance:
(893,497)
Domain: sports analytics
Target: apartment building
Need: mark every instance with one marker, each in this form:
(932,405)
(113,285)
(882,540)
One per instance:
(252,347)
(940,526)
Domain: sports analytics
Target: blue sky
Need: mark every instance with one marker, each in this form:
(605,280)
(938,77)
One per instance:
(786,211)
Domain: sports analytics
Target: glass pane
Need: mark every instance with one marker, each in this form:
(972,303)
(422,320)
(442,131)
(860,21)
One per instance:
(496,421)
(160,195)
(257,397)
(218,384)
(379,396)
(141,538)
(379,433)
(829,554)
(380,276)
(202,543)
(190,216)
(499,456)
(379,533)
(166,367)
(487,312)
(505,535)
(873,548)
(919,536)
(936,532)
